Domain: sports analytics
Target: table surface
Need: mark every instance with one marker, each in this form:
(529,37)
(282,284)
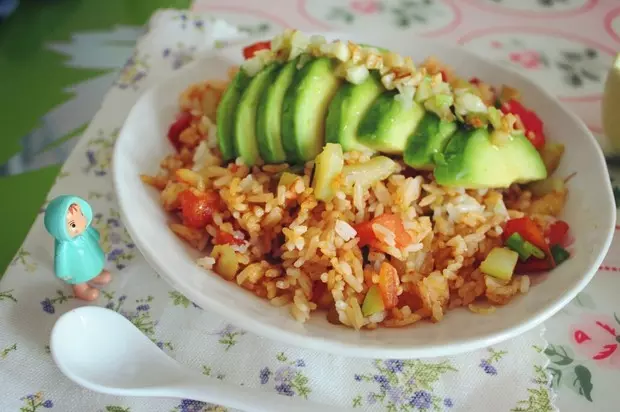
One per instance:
(67,61)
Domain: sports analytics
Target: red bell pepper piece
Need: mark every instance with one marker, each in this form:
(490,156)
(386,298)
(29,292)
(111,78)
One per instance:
(528,230)
(184,119)
(531,122)
(557,233)
(249,51)
(533,265)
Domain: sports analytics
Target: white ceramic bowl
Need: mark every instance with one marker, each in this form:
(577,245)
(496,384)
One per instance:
(590,212)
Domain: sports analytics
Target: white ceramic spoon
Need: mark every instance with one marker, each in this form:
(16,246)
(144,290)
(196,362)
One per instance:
(101,350)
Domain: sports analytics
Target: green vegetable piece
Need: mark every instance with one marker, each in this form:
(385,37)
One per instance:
(533,250)
(373,302)
(524,248)
(226,115)
(559,254)
(500,263)
(287,178)
(549,185)
(516,243)
(368,173)
(329,165)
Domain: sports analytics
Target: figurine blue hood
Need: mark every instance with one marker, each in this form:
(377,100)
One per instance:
(76,259)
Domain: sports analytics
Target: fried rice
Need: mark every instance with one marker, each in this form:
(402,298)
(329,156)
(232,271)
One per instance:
(284,245)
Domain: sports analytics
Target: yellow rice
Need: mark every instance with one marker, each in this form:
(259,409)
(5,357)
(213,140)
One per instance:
(304,254)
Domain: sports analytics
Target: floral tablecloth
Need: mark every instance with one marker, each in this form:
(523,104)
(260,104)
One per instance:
(511,376)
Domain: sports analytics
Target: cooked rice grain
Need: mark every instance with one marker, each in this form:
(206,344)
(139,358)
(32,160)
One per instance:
(294,250)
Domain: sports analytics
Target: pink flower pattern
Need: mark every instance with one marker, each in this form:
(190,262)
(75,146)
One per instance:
(365,6)
(528,59)
(596,338)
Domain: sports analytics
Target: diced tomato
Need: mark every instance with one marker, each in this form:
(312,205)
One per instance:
(533,265)
(365,234)
(531,122)
(388,220)
(197,210)
(530,232)
(474,80)
(557,232)
(222,238)
(444,76)
(395,224)
(248,52)
(184,119)
(388,284)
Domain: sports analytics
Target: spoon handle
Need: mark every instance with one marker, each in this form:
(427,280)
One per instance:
(205,389)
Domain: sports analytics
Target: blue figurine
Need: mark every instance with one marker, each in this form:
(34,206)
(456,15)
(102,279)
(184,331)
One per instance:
(78,258)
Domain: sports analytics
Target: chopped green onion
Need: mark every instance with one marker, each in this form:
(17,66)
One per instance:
(559,254)
(533,250)
(516,243)
(524,248)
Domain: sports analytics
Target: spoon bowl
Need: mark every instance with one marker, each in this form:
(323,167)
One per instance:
(101,350)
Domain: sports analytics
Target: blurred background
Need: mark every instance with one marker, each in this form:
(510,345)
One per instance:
(57,59)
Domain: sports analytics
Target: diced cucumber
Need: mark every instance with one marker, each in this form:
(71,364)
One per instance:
(329,165)
(367,173)
(500,263)
(373,302)
(287,178)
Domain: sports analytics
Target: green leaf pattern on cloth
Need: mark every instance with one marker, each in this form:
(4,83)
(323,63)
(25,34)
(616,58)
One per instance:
(5,352)
(114,408)
(23,258)
(538,399)
(7,295)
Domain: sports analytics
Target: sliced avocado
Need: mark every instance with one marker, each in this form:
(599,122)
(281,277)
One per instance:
(305,108)
(388,124)
(269,115)
(225,117)
(471,160)
(244,134)
(347,109)
(527,160)
(430,137)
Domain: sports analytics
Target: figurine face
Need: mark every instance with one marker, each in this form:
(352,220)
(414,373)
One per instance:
(76,221)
